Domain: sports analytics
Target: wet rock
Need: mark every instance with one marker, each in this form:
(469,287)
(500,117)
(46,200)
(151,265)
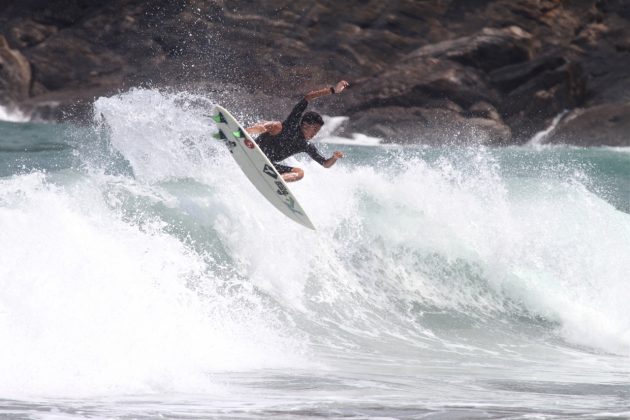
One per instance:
(450,72)
(502,68)
(536,91)
(490,49)
(483,110)
(429,125)
(417,81)
(28,33)
(600,125)
(15,74)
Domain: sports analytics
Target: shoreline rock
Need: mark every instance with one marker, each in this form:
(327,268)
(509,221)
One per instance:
(15,74)
(495,71)
(599,125)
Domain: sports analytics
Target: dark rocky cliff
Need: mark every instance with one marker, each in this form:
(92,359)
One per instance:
(431,71)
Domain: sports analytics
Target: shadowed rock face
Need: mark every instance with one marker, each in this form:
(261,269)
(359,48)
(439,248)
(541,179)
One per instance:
(15,74)
(492,71)
(607,124)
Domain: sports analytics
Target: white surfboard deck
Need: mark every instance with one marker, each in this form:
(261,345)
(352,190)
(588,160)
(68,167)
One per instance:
(257,167)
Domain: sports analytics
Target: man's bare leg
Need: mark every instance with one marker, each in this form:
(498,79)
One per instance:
(295,175)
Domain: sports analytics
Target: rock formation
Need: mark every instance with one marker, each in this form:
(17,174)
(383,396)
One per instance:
(15,74)
(492,71)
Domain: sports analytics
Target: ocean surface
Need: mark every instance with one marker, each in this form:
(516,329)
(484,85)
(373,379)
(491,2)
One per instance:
(143,276)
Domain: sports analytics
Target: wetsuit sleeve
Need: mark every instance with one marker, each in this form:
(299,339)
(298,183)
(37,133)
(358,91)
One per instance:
(314,154)
(292,123)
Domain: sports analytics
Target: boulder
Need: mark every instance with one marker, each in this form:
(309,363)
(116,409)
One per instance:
(489,49)
(500,70)
(600,125)
(27,33)
(409,125)
(534,92)
(15,74)
(433,78)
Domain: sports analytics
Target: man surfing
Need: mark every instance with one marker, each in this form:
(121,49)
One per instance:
(279,140)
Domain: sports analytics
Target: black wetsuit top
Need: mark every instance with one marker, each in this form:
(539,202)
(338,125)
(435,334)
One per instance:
(290,140)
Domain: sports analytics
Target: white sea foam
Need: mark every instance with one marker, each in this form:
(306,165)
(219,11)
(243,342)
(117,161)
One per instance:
(12,114)
(331,125)
(537,141)
(91,304)
(537,245)
(112,284)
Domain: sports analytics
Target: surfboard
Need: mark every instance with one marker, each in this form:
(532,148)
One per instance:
(257,167)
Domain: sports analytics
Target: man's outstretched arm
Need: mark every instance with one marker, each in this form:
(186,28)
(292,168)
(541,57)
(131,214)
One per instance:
(327,91)
(275,127)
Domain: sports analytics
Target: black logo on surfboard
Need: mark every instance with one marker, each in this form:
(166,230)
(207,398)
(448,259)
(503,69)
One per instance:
(269,171)
(282,190)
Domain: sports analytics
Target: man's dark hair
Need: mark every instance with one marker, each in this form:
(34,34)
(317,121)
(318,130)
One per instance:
(311,117)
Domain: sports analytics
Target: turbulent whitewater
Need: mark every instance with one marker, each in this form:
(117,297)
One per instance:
(141,274)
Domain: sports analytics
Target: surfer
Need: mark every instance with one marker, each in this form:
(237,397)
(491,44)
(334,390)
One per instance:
(279,140)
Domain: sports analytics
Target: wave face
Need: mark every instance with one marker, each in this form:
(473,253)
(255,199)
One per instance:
(136,258)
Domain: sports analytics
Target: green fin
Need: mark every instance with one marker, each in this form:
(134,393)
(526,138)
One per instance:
(238,133)
(219,118)
(219,135)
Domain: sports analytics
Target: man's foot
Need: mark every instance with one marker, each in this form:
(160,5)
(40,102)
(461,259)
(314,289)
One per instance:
(295,175)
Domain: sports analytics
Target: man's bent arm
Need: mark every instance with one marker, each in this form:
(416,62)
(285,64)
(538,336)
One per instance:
(326,91)
(272,127)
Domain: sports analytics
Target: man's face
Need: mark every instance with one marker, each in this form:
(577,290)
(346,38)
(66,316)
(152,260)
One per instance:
(310,130)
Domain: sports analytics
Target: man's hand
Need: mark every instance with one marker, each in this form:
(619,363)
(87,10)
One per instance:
(330,162)
(327,91)
(341,86)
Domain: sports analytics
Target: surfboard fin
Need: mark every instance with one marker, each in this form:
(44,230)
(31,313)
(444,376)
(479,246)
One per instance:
(219,118)
(238,133)
(219,135)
